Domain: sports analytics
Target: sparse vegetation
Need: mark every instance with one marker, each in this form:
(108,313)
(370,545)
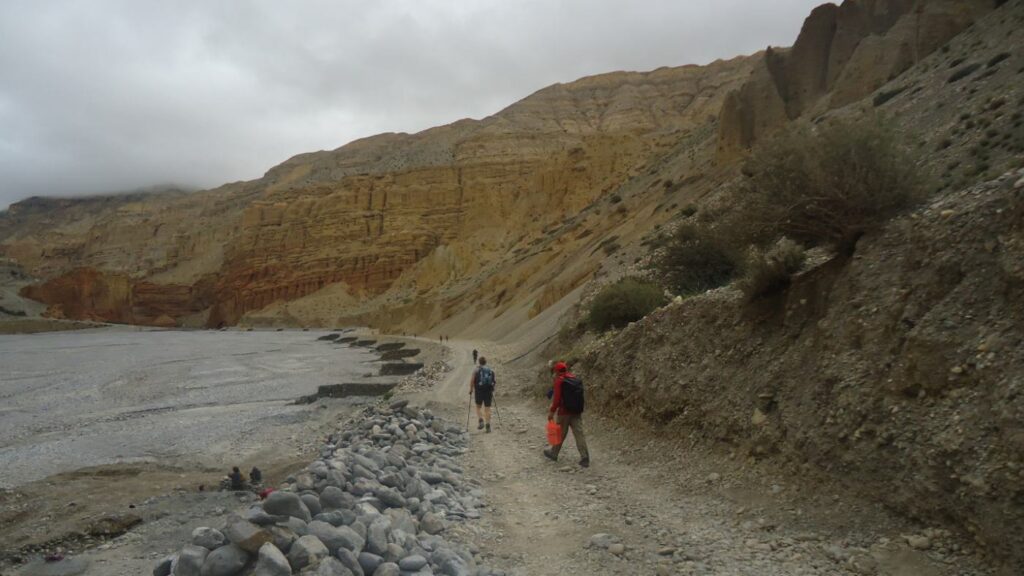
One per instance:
(997,59)
(884,96)
(768,271)
(827,187)
(625,301)
(698,259)
(964,72)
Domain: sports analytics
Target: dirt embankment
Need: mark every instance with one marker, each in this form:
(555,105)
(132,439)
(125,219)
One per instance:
(899,370)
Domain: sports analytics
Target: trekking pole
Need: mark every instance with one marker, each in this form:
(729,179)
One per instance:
(469,410)
(496,413)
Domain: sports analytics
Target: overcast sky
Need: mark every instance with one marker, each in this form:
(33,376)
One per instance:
(110,95)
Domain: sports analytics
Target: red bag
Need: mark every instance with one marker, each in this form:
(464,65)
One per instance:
(554,433)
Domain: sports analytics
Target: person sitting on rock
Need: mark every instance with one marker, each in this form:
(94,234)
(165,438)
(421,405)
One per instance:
(481,387)
(255,476)
(237,481)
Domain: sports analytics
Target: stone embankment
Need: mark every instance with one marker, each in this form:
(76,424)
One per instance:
(378,501)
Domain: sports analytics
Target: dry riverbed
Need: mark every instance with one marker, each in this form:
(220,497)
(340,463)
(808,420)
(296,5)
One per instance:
(99,428)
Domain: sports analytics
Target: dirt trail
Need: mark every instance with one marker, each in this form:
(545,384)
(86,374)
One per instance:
(676,507)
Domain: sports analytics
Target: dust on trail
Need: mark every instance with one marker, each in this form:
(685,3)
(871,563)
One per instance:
(677,507)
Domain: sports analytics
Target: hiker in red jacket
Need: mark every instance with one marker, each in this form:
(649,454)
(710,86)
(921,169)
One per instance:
(567,410)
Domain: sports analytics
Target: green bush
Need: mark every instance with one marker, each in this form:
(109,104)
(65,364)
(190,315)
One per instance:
(625,301)
(769,271)
(698,259)
(826,187)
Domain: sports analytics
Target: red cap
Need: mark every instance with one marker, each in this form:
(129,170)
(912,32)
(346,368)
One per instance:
(560,367)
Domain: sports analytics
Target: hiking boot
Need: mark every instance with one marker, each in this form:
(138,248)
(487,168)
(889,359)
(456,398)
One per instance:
(585,462)
(550,455)
(480,424)
(488,427)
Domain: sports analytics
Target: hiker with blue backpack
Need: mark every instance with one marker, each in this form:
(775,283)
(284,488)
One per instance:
(481,387)
(567,411)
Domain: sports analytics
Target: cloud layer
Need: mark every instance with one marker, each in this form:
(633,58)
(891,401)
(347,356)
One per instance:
(111,95)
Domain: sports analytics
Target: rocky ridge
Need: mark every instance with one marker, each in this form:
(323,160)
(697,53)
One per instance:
(843,53)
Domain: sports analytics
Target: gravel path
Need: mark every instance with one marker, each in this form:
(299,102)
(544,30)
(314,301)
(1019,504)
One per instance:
(665,506)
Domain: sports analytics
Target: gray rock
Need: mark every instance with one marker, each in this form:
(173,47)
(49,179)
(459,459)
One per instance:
(283,538)
(312,503)
(296,525)
(245,534)
(304,482)
(163,567)
(431,523)
(333,498)
(208,538)
(306,551)
(370,562)
(225,561)
(257,515)
(394,552)
(336,537)
(190,561)
(287,504)
(332,567)
(602,540)
(377,536)
(401,519)
(271,562)
(390,497)
(412,563)
(359,527)
(388,569)
(337,517)
(351,561)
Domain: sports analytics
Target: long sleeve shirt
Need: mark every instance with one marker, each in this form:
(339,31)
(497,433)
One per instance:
(556,399)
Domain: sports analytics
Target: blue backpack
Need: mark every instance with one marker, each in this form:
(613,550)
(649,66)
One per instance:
(485,377)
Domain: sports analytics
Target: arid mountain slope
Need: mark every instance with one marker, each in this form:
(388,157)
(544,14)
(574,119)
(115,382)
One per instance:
(843,54)
(897,369)
(454,200)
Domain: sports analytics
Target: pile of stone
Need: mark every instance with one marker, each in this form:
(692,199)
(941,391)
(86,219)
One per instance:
(425,377)
(377,502)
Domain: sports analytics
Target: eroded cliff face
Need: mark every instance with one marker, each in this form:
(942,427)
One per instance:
(370,213)
(843,53)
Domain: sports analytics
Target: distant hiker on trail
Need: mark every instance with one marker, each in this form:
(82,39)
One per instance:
(567,410)
(474,355)
(255,476)
(481,387)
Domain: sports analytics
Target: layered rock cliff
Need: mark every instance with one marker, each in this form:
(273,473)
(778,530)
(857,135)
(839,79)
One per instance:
(365,214)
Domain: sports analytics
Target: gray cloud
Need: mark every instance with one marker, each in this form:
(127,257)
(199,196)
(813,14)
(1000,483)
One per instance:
(112,95)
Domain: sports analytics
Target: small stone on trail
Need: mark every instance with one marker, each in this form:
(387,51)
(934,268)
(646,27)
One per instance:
(618,549)
(602,540)
(918,542)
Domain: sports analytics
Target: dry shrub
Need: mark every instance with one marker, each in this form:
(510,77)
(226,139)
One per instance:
(625,301)
(697,259)
(827,187)
(769,271)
